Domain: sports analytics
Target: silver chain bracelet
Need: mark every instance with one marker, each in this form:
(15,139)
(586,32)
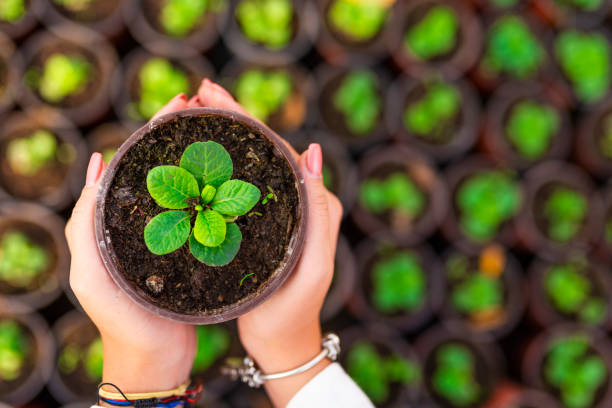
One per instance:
(249,374)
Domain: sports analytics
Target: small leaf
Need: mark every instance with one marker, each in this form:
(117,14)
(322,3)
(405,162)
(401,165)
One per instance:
(209,228)
(208,193)
(171,186)
(235,197)
(167,232)
(219,255)
(209,162)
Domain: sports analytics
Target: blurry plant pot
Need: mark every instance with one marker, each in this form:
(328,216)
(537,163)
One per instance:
(39,356)
(568,14)
(397,286)
(574,288)
(339,170)
(563,211)
(32,240)
(525,125)
(250,84)
(175,38)
(273,236)
(401,196)
(485,292)
(46,177)
(510,396)
(245,397)
(107,138)
(537,361)
(485,367)
(105,17)
(447,30)
(584,58)
(303,26)
(476,186)
(502,61)
(352,43)
(594,141)
(51,61)
(180,75)
(22,25)
(500,5)
(351,104)
(417,114)
(382,364)
(11,67)
(78,367)
(605,243)
(343,281)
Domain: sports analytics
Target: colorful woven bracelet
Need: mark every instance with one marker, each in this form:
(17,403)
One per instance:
(183,396)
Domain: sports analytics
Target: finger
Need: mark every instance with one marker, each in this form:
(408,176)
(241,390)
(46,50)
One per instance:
(335,218)
(215,96)
(194,102)
(177,103)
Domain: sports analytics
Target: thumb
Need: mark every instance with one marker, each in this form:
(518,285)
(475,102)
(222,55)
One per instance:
(311,162)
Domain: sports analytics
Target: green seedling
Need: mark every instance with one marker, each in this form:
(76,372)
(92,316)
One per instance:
(454,378)
(431,117)
(62,76)
(270,196)
(29,155)
(159,82)
(375,374)
(21,260)
(266,22)
(575,369)
(246,276)
(262,93)
(435,35)
(478,294)
(608,231)
(93,360)
(531,127)
(512,49)
(357,20)
(90,358)
(585,60)
(12,11)
(75,5)
(565,210)
(485,201)
(14,350)
(605,138)
(201,186)
(213,343)
(582,5)
(179,17)
(399,283)
(358,100)
(397,193)
(570,290)
(108,154)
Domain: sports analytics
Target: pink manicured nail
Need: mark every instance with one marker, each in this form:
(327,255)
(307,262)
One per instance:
(181,96)
(194,101)
(314,160)
(94,170)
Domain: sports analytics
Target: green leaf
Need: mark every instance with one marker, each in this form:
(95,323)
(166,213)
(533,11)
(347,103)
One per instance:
(209,228)
(219,255)
(171,186)
(208,193)
(235,197)
(167,231)
(209,162)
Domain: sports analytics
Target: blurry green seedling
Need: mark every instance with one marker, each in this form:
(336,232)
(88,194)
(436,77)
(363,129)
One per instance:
(30,154)
(75,5)
(21,260)
(263,93)
(397,193)
(179,17)
(565,211)
(213,343)
(266,22)
(357,20)
(435,35)
(14,350)
(582,5)
(12,11)
(531,127)
(358,100)
(454,378)
(89,357)
(201,186)
(62,75)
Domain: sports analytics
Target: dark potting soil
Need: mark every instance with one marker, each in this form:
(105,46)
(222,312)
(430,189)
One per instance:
(94,10)
(189,286)
(44,182)
(94,81)
(81,334)
(152,9)
(28,367)
(38,236)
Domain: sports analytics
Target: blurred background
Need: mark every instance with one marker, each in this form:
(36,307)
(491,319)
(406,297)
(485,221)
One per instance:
(470,143)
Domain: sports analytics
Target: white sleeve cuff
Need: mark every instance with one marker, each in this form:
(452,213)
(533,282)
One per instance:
(331,388)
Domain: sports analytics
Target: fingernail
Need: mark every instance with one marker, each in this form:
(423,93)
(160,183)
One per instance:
(94,170)
(181,96)
(314,160)
(220,89)
(193,101)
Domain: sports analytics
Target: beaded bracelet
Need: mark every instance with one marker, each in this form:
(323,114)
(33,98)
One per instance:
(182,396)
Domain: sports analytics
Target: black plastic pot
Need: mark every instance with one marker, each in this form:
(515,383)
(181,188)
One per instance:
(305,26)
(45,229)
(587,144)
(361,305)
(141,20)
(559,15)
(454,63)
(11,67)
(604,248)
(383,161)
(343,281)
(26,24)
(53,192)
(498,112)
(531,223)
(404,92)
